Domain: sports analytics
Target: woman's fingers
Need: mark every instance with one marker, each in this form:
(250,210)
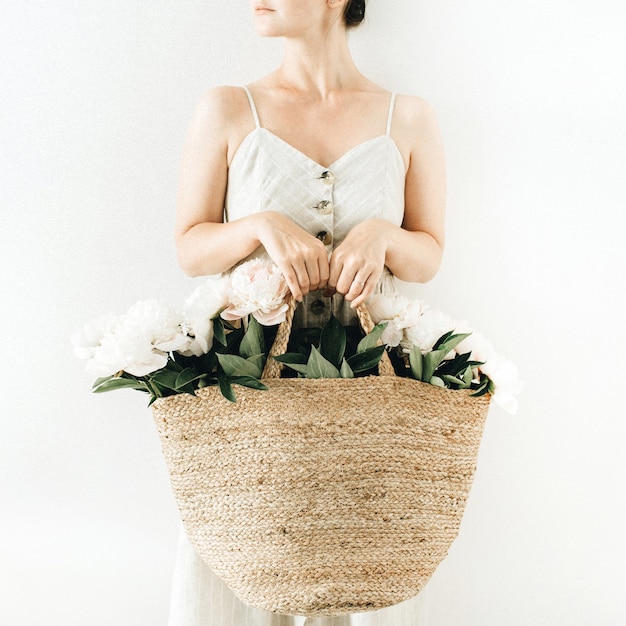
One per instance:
(354,277)
(305,273)
(301,257)
(291,279)
(361,291)
(355,284)
(313,274)
(358,262)
(324,271)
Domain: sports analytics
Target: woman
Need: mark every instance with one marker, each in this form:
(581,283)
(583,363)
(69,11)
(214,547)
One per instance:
(339,181)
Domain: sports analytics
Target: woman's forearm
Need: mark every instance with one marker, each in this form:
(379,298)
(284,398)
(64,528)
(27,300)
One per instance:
(412,256)
(211,248)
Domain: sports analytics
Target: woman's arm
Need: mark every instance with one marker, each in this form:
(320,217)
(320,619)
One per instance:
(204,243)
(412,252)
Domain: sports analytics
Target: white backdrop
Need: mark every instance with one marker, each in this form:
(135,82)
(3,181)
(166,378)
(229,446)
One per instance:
(95,102)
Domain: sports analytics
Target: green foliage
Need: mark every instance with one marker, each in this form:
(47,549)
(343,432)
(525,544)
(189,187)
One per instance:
(237,357)
(234,365)
(329,359)
(332,344)
(253,342)
(432,367)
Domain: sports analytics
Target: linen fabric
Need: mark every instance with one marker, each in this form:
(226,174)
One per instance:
(267,173)
(367,182)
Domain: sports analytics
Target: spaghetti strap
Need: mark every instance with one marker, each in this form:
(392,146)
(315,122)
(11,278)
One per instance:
(392,104)
(255,115)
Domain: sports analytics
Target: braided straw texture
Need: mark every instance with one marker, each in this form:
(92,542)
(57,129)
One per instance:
(323,496)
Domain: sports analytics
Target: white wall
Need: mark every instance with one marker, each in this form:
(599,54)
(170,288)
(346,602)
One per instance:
(95,101)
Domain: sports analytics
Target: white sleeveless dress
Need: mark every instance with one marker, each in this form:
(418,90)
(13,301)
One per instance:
(267,173)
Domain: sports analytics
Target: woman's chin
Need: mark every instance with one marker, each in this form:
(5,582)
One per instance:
(267,32)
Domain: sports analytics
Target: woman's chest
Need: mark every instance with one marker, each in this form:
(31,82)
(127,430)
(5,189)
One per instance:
(367,182)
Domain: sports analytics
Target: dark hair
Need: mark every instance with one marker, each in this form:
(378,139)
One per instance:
(354,13)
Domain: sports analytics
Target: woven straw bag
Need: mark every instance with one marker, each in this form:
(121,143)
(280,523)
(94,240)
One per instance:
(322,496)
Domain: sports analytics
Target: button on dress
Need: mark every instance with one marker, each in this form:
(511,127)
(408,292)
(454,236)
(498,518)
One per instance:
(269,174)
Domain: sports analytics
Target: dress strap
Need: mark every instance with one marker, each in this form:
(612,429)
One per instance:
(255,115)
(392,104)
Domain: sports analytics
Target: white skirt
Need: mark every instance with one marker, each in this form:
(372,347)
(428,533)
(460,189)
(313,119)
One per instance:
(200,598)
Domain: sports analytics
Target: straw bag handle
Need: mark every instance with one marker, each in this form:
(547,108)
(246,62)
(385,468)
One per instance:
(272,367)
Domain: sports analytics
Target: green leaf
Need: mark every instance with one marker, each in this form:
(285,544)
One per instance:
(452,380)
(319,367)
(173,365)
(453,342)
(481,391)
(303,338)
(432,360)
(467,377)
(371,339)
(218,331)
(206,382)
(346,370)
(226,389)
(416,360)
(443,339)
(364,361)
(247,381)
(164,378)
(292,357)
(333,341)
(455,366)
(208,362)
(258,360)
(435,380)
(157,390)
(483,387)
(187,377)
(234,365)
(110,383)
(253,341)
(233,340)
(301,368)
(104,379)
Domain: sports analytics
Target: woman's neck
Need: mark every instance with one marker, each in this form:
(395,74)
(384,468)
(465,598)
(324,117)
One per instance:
(319,65)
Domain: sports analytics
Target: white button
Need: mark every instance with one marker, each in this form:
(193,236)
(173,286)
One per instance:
(325,238)
(325,207)
(327,177)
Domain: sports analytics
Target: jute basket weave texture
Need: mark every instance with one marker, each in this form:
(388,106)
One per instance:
(325,496)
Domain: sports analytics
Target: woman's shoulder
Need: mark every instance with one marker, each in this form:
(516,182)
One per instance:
(410,113)
(224,103)
(414,112)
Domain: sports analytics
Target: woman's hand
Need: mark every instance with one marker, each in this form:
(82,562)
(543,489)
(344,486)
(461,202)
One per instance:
(358,262)
(301,257)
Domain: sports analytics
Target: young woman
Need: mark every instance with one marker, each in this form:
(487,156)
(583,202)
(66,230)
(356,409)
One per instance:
(338,181)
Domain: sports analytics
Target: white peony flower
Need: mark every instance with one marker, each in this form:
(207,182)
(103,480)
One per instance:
(506,380)
(431,325)
(257,287)
(204,304)
(480,347)
(158,323)
(383,308)
(127,349)
(399,313)
(137,342)
(89,338)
